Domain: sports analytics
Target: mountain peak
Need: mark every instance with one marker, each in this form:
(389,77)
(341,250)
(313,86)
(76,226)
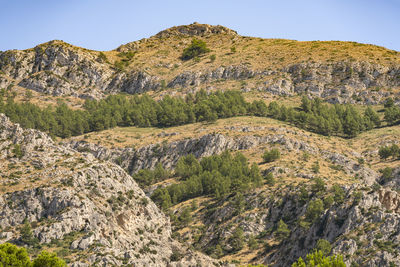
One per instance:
(195,29)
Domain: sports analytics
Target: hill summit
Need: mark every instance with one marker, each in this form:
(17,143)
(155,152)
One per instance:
(195,29)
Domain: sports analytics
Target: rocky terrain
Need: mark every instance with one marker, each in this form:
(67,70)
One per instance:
(60,69)
(90,209)
(78,196)
(363,225)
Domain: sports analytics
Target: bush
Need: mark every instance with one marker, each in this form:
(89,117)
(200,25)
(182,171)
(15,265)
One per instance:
(11,255)
(18,151)
(384,152)
(269,179)
(282,231)
(319,186)
(47,259)
(338,194)
(237,239)
(324,246)
(387,174)
(318,259)
(213,57)
(314,210)
(196,48)
(271,155)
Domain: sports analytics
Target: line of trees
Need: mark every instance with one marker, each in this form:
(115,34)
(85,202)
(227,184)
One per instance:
(144,111)
(122,110)
(216,176)
(326,119)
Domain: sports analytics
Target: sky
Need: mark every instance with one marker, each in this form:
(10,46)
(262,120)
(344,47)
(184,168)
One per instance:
(106,24)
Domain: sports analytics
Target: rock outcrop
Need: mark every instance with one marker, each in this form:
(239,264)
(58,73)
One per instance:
(146,157)
(91,209)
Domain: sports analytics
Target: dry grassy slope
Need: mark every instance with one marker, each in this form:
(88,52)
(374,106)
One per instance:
(364,145)
(163,49)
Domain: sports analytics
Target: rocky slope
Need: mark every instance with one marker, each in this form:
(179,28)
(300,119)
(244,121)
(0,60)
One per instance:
(91,210)
(168,154)
(362,224)
(58,68)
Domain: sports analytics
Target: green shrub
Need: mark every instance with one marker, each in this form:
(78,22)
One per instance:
(11,255)
(282,230)
(18,151)
(269,179)
(195,49)
(324,246)
(271,155)
(387,174)
(318,259)
(319,186)
(338,194)
(237,239)
(47,259)
(314,210)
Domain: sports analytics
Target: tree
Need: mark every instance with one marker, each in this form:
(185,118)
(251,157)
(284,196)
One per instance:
(252,242)
(395,151)
(324,246)
(269,179)
(384,152)
(314,210)
(318,259)
(185,217)
(18,151)
(213,57)
(237,239)
(282,231)
(219,252)
(187,166)
(26,234)
(305,104)
(373,116)
(47,259)
(11,255)
(387,174)
(319,186)
(271,155)
(195,49)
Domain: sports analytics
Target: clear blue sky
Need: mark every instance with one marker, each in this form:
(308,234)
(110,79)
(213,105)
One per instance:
(105,24)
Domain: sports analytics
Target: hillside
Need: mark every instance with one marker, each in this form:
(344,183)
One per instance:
(338,71)
(255,151)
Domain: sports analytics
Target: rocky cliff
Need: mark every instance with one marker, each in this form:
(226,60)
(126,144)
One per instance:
(91,210)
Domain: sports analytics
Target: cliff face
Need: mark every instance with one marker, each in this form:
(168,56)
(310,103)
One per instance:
(57,68)
(91,209)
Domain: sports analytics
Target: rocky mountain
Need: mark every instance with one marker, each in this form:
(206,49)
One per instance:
(91,210)
(78,197)
(337,71)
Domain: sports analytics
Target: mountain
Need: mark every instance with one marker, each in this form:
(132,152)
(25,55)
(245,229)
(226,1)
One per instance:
(201,147)
(363,73)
